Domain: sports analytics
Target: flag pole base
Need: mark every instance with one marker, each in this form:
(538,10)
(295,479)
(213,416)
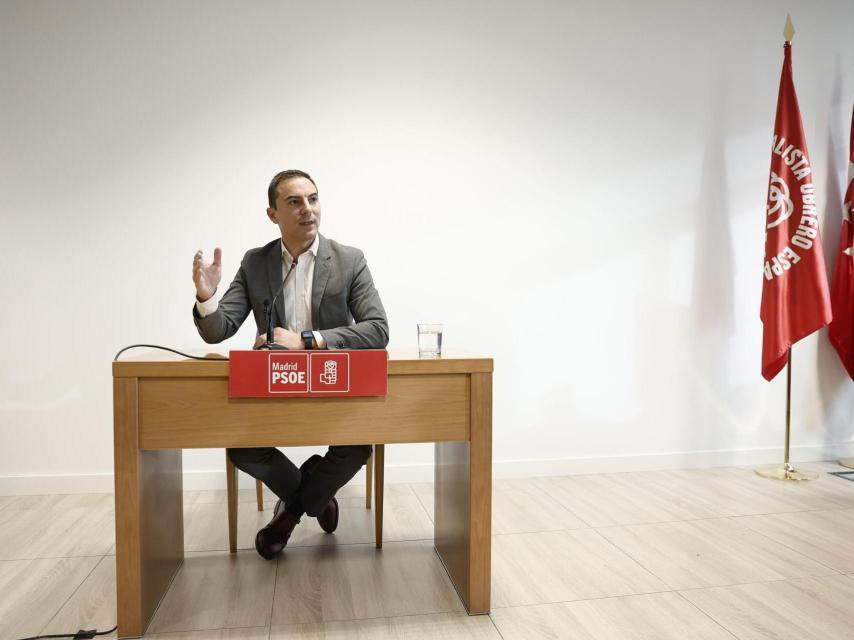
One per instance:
(785,472)
(847,462)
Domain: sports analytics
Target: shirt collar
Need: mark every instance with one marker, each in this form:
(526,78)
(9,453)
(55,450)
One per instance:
(288,258)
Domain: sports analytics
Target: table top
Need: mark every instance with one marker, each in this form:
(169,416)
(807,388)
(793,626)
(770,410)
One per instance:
(150,363)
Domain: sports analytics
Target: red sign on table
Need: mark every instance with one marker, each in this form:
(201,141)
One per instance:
(270,374)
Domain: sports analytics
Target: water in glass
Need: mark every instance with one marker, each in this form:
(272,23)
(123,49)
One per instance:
(429,340)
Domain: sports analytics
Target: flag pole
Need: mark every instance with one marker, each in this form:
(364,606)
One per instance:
(788,409)
(786,471)
(848,213)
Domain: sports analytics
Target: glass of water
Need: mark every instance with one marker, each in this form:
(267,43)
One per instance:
(429,340)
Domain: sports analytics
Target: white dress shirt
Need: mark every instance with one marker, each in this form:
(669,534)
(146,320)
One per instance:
(296,295)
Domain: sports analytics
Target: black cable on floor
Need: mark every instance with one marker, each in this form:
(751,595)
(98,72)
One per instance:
(180,353)
(82,634)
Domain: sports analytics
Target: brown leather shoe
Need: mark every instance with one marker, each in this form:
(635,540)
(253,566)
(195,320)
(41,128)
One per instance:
(271,540)
(328,518)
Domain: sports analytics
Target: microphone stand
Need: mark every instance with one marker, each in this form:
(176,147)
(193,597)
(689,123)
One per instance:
(268,314)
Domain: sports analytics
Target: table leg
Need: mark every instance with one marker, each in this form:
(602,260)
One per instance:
(149,515)
(233,498)
(379,500)
(463,502)
(369,480)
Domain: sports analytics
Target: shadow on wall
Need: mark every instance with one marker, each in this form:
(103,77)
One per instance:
(835,387)
(710,414)
(712,320)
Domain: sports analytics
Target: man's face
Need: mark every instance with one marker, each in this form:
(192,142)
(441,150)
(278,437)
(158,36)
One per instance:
(297,211)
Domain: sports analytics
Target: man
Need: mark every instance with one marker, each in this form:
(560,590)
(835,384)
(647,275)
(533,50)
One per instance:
(328,301)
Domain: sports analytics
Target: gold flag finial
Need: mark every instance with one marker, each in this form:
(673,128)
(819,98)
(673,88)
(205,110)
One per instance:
(789,29)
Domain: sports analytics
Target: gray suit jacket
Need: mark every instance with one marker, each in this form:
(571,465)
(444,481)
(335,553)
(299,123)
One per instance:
(345,306)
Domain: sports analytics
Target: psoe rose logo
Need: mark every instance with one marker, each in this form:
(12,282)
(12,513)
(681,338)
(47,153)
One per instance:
(779,202)
(330,372)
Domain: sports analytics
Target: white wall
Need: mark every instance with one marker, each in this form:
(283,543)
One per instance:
(575,188)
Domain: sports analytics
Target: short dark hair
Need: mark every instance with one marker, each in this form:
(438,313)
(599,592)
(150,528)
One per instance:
(281,177)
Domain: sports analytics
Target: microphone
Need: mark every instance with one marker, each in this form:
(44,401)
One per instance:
(270,307)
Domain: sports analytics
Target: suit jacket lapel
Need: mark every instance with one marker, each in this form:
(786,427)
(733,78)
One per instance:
(321,276)
(274,274)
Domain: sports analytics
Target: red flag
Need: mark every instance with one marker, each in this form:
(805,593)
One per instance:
(795,298)
(841,332)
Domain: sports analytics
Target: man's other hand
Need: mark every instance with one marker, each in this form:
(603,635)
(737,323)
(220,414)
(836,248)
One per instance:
(206,276)
(287,339)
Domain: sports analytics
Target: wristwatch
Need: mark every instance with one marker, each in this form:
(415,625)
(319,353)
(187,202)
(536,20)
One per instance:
(308,339)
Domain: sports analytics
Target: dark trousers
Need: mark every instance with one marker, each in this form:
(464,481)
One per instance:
(286,480)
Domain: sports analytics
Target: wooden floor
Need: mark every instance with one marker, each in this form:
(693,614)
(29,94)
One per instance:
(706,554)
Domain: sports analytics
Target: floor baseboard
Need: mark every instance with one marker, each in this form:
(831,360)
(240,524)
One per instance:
(423,472)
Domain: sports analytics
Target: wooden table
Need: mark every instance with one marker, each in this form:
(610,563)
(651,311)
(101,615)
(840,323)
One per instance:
(164,405)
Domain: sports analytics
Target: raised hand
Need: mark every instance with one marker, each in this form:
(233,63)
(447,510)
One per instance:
(206,276)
